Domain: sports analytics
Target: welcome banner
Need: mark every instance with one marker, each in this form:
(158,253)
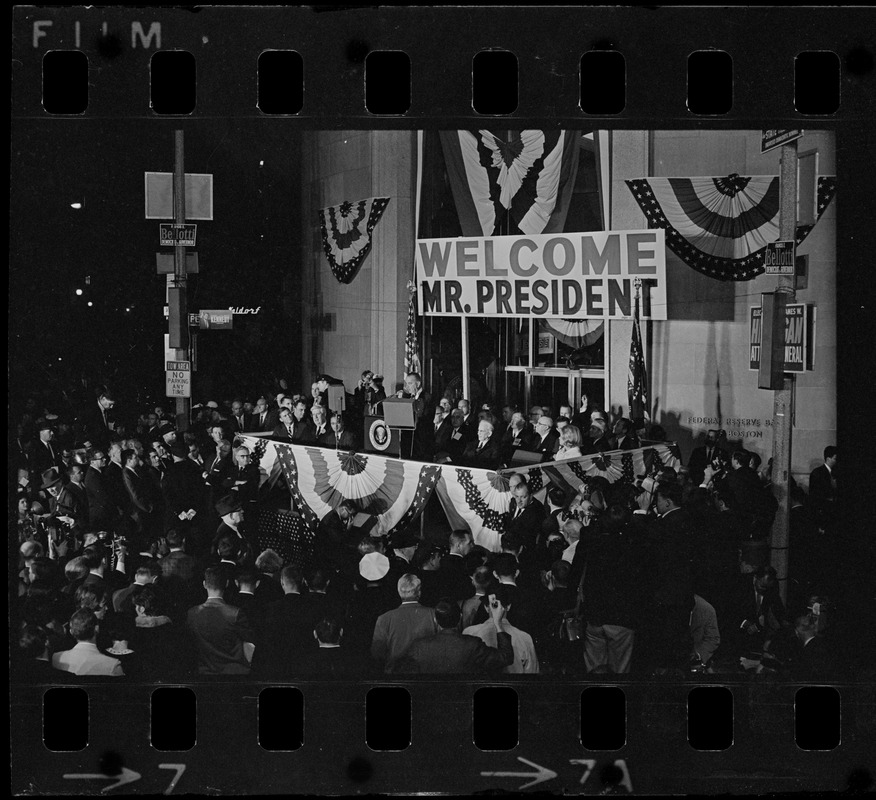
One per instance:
(575,275)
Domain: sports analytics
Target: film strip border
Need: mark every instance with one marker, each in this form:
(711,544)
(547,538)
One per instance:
(443,736)
(447,64)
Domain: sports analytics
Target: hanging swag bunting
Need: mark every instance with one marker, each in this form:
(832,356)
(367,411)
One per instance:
(346,234)
(720,226)
(528,175)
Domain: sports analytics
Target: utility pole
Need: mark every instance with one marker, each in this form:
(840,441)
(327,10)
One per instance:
(179,318)
(783,408)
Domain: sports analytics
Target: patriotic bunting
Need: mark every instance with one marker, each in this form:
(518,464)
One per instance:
(346,234)
(396,490)
(720,226)
(615,465)
(527,174)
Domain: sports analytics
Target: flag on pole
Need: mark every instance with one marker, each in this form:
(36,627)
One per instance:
(412,348)
(637,379)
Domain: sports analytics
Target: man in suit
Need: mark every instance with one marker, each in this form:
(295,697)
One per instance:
(545,440)
(103,512)
(338,437)
(180,574)
(85,658)
(221,632)
(469,420)
(239,421)
(330,659)
(526,516)
(525,659)
(260,420)
(95,422)
(624,436)
(396,630)
(453,578)
(423,434)
(303,431)
(284,429)
(218,471)
(514,437)
(243,478)
(441,430)
(65,508)
(286,629)
(402,546)
(702,456)
(450,652)
(233,526)
(458,438)
(319,420)
(597,440)
(482,453)
(822,490)
(332,544)
(43,454)
(184,493)
(141,500)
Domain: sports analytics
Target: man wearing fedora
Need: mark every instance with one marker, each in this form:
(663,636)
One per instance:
(233,525)
(65,509)
(402,546)
(43,454)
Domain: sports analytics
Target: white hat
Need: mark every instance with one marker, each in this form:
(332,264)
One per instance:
(373,566)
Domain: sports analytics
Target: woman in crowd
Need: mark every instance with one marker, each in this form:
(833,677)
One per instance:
(570,443)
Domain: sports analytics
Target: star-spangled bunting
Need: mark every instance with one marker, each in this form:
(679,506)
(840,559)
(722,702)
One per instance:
(346,234)
(397,490)
(721,226)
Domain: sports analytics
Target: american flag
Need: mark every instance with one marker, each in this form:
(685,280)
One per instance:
(412,348)
(637,380)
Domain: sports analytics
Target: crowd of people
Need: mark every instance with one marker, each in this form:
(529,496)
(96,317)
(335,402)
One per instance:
(139,554)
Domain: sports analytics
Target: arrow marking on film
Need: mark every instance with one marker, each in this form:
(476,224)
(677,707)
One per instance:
(127,776)
(180,769)
(542,774)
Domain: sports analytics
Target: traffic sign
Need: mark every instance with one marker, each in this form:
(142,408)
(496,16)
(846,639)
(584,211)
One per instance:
(171,234)
(178,378)
(774,138)
(779,258)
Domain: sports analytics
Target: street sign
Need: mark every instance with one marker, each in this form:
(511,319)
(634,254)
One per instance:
(194,320)
(159,195)
(171,234)
(774,138)
(178,377)
(778,258)
(220,319)
(799,337)
(164,263)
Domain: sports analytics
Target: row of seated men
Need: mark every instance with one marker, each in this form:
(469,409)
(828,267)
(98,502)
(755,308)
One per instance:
(638,584)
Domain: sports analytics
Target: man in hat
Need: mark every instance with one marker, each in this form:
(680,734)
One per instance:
(402,546)
(65,509)
(231,513)
(43,454)
(167,433)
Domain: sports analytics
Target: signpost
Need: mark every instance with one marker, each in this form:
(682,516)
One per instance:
(171,234)
(779,258)
(178,378)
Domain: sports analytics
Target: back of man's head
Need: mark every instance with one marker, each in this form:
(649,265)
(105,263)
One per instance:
(409,587)
(505,565)
(482,578)
(560,571)
(503,593)
(830,451)
(556,496)
(447,613)
(83,625)
(214,579)
(458,539)
(318,580)
(511,543)
(671,492)
(328,630)
(291,578)
(226,548)
(742,457)
(247,580)
(269,561)
(174,538)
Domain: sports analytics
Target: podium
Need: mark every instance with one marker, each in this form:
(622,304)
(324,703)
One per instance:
(378,437)
(399,413)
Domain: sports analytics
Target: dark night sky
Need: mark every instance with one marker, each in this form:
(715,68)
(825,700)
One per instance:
(252,241)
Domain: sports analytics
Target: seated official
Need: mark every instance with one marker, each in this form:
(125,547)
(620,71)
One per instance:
(338,436)
(482,453)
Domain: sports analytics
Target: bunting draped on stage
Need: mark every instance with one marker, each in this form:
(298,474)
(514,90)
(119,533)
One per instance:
(396,490)
(527,174)
(346,234)
(720,226)
(614,465)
